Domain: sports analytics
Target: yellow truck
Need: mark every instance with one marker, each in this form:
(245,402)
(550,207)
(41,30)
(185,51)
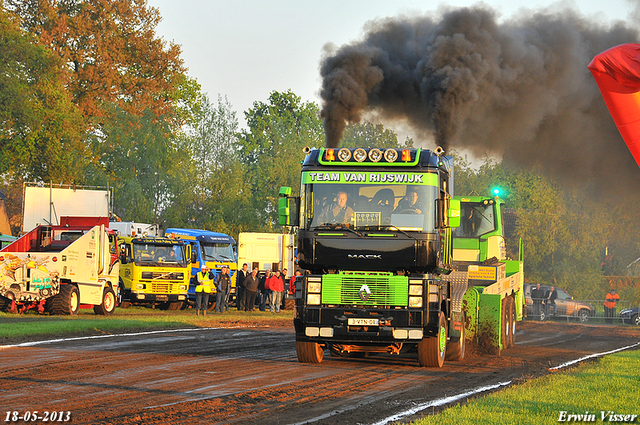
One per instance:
(154,271)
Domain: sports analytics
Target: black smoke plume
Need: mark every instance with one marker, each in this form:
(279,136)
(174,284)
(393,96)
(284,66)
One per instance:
(518,87)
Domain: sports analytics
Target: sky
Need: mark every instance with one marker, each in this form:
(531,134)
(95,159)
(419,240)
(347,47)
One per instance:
(245,49)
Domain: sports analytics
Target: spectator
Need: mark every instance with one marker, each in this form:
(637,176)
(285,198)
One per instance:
(610,305)
(550,300)
(222,286)
(292,283)
(251,283)
(276,285)
(203,290)
(263,290)
(242,275)
(537,296)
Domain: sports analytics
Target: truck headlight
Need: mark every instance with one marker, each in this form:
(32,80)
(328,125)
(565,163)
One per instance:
(415,290)
(415,301)
(313,299)
(183,287)
(141,286)
(314,287)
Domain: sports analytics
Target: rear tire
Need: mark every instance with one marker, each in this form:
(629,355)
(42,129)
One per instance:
(66,302)
(309,352)
(457,347)
(108,305)
(512,322)
(432,350)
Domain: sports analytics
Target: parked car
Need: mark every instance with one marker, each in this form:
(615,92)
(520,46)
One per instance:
(630,315)
(566,305)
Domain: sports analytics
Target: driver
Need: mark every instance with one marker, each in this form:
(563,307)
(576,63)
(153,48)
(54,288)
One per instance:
(410,202)
(339,212)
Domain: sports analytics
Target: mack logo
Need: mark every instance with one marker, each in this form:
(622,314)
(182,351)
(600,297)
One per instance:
(364,293)
(366,257)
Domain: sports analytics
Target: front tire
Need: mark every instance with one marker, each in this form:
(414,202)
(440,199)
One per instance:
(108,305)
(431,350)
(457,347)
(66,302)
(309,352)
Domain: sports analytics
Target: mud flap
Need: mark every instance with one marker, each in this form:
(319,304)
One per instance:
(484,320)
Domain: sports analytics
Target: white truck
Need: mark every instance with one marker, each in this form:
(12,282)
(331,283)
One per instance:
(269,251)
(132,229)
(59,269)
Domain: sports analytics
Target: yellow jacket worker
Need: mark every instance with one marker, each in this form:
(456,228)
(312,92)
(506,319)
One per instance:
(203,289)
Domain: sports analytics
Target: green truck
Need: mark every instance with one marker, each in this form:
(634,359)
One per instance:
(386,269)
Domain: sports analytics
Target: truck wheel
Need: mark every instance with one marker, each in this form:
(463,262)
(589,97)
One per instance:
(431,350)
(456,347)
(309,352)
(108,302)
(512,322)
(66,302)
(170,305)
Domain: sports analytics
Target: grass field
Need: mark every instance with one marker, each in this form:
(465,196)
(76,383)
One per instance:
(608,386)
(15,328)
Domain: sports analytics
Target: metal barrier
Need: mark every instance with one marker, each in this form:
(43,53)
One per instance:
(581,310)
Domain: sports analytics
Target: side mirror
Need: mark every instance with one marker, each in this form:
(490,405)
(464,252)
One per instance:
(453,213)
(284,208)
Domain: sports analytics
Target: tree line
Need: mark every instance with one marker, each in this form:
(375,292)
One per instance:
(90,95)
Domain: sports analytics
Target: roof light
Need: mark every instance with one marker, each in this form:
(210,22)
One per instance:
(375,155)
(344,154)
(406,155)
(359,155)
(390,155)
(330,156)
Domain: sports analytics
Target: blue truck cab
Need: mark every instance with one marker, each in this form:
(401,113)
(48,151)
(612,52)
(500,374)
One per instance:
(211,248)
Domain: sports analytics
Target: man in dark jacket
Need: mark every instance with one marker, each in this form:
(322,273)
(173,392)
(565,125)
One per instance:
(251,283)
(242,275)
(222,286)
(550,300)
(537,295)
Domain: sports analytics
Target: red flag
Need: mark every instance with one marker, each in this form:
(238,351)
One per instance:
(617,72)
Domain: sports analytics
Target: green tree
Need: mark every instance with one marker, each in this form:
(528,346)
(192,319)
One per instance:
(272,149)
(112,51)
(40,128)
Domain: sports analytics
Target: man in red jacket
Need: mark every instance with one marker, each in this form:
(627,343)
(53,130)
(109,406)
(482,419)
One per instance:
(276,285)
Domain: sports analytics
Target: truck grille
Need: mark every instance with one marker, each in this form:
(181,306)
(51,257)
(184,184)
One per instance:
(163,288)
(386,290)
(162,276)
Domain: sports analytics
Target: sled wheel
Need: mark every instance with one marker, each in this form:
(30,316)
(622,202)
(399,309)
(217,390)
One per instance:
(309,352)
(431,350)
(108,302)
(66,302)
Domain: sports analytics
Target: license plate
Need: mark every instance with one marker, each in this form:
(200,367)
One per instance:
(362,322)
(162,297)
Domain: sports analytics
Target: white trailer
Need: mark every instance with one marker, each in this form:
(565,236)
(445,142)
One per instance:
(46,204)
(269,251)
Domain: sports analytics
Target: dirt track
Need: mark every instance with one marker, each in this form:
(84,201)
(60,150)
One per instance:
(252,376)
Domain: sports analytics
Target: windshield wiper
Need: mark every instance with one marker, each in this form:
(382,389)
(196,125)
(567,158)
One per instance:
(334,226)
(395,229)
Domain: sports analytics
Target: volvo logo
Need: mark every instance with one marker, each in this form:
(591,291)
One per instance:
(364,293)
(365,257)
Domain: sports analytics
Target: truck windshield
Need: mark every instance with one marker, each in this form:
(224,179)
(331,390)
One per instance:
(217,252)
(365,206)
(476,219)
(166,255)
